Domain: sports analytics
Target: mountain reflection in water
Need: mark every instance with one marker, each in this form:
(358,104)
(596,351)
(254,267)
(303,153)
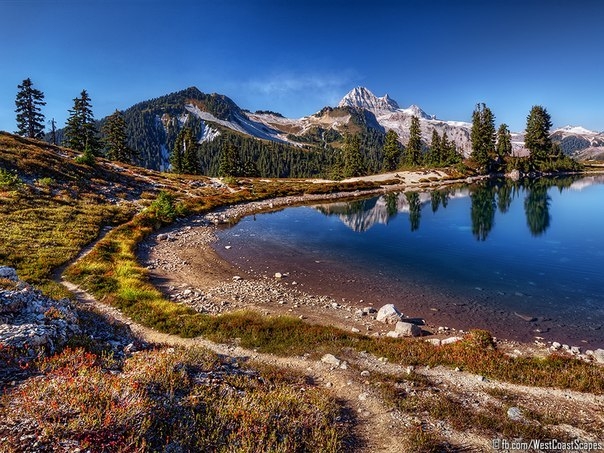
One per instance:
(486,196)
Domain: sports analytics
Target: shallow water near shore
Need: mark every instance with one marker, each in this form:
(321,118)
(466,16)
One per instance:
(524,260)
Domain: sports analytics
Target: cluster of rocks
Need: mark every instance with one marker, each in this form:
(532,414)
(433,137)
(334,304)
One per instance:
(589,355)
(198,300)
(31,323)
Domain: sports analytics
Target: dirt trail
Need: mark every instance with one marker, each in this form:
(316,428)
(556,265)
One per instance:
(375,423)
(378,425)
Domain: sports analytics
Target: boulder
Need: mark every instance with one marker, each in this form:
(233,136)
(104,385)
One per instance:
(407,329)
(331,359)
(8,273)
(389,314)
(599,355)
(515,414)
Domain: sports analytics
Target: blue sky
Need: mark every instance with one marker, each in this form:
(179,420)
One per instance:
(295,57)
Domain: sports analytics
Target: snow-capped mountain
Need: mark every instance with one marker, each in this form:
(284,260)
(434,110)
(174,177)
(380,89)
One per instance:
(153,125)
(578,141)
(361,97)
(390,116)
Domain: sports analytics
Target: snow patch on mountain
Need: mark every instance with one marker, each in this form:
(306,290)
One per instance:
(578,130)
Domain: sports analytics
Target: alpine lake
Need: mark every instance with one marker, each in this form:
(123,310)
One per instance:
(524,260)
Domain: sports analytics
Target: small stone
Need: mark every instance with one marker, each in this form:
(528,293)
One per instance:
(301,317)
(363,396)
(515,414)
(457,369)
(575,350)
(365,373)
(237,278)
(278,275)
(410,369)
(450,340)
(434,341)
(555,346)
(355,330)
(328,385)
(227,247)
(344,365)
(330,359)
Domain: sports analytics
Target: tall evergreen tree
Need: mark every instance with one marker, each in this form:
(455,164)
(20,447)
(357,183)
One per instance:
(229,160)
(116,139)
(392,151)
(483,136)
(80,130)
(414,148)
(353,159)
(434,154)
(504,141)
(30,120)
(537,138)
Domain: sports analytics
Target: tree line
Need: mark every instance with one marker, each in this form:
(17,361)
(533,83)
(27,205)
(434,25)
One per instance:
(341,156)
(80,133)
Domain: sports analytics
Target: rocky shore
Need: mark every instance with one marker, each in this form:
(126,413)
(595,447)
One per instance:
(183,264)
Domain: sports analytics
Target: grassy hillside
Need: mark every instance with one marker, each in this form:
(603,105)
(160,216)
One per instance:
(168,399)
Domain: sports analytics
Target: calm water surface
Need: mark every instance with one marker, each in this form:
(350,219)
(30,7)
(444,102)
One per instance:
(524,260)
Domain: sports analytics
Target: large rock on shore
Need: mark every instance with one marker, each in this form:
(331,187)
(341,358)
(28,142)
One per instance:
(31,323)
(389,314)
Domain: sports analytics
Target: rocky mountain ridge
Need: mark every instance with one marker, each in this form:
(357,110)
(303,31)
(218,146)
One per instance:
(153,125)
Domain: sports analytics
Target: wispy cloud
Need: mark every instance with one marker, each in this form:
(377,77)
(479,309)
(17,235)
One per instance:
(285,84)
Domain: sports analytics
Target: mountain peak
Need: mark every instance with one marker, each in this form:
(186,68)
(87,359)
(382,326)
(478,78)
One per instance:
(415,110)
(361,97)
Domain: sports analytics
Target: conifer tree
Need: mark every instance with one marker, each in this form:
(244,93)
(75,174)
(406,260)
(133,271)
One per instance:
(414,147)
(392,151)
(80,130)
(30,120)
(537,138)
(229,160)
(483,136)
(53,132)
(434,155)
(353,159)
(504,141)
(116,139)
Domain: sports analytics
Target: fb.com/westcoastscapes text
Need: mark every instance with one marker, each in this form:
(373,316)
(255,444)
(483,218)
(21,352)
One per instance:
(546,445)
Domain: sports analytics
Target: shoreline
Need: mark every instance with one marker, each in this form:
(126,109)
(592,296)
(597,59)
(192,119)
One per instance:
(185,264)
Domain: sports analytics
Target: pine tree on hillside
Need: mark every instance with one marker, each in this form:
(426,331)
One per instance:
(229,160)
(504,141)
(414,147)
(433,157)
(186,149)
(80,130)
(53,132)
(30,121)
(353,159)
(483,136)
(392,151)
(116,139)
(537,138)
